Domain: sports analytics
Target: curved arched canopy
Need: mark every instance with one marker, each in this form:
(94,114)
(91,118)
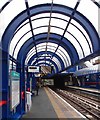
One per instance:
(60,28)
(54,40)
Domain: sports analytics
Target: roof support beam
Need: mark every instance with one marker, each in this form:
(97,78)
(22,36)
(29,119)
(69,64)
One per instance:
(30,22)
(96,3)
(71,17)
(49,26)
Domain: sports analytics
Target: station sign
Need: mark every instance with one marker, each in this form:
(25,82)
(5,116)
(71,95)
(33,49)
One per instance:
(34,69)
(14,89)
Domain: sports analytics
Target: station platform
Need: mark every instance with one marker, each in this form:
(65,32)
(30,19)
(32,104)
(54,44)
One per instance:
(48,104)
(96,91)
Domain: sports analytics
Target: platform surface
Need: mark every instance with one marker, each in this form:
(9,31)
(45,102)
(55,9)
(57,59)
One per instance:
(50,105)
(41,107)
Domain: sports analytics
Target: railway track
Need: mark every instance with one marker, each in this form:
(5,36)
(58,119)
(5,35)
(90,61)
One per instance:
(89,108)
(86,95)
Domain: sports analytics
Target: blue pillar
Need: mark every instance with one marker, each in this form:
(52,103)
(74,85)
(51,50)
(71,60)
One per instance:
(33,81)
(5,88)
(21,106)
(28,81)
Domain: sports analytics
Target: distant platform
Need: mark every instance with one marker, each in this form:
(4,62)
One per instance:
(86,89)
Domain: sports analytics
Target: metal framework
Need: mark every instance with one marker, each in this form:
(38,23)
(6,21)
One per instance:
(14,27)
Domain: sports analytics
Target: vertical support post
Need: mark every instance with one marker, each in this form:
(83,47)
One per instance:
(28,81)
(5,87)
(21,106)
(0,83)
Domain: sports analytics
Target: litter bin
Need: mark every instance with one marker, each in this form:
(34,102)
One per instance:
(28,101)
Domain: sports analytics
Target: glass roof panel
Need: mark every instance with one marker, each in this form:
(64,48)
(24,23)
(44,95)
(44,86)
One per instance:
(11,10)
(83,31)
(78,35)
(40,30)
(41,45)
(57,21)
(65,54)
(15,40)
(57,62)
(31,51)
(86,7)
(75,44)
(50,47)
(41,22)
(56,30)
(28,57)
(40,15)
(36,2)
(60,16)
(52,44)
(20,45)
(60,55)
(70,3)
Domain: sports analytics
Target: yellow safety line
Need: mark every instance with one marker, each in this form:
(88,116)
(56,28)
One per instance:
(55,105)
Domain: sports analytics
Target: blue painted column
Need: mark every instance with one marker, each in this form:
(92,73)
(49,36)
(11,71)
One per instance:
(5,88)
(21,106)
(33,81)
(28,81)
(0,83)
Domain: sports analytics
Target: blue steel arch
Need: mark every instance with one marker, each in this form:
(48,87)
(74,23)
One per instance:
(58,28)
(53,38)
(44,8)
(66,60)
(41,53)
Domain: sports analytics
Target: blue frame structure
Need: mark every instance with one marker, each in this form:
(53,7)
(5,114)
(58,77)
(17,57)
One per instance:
(33,41)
